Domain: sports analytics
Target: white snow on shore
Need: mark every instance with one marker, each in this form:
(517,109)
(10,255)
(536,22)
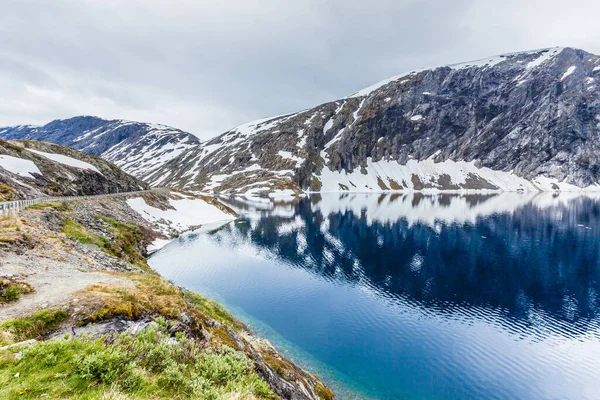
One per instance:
(70,161)
(186,213)
(428,172)
(157,244)
(19,166)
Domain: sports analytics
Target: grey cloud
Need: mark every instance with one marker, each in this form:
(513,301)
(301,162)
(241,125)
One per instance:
(205,67)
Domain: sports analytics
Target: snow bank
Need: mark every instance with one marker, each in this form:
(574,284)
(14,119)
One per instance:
(430,173)
(19,166)
(285,194)
(70,161)
(187,213)
(157,244)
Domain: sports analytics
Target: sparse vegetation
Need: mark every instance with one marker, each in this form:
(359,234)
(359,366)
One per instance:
(57,205)
(214,310)
(11,146)
(32,327)
(83,235)
(6,192)
(282,367)
(315,183)
(125,243)
(152,364)
(150,294)
(10,229)
(324,392)
(11,290)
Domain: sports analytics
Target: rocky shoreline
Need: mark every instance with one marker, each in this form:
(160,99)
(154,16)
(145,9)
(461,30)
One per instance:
(85,262)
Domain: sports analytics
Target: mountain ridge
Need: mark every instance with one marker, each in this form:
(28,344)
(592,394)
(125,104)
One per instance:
(30,169)
(125,143)
(526,121)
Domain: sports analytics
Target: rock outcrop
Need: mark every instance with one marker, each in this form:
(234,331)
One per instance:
(30,169)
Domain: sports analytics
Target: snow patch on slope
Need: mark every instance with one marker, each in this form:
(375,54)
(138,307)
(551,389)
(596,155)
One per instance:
(186,213)
(387,175)
(19,166)
(568,72)
(65,160)
(288,155)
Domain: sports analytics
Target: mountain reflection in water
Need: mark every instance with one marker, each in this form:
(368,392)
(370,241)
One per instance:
(469,296)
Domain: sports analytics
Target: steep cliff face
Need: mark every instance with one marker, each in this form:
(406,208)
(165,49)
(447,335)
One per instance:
(524,121)
(136,147)
(32,169)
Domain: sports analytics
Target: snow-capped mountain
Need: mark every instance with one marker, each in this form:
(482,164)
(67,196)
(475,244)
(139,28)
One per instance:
(30,169)
(523,121)
(138,148)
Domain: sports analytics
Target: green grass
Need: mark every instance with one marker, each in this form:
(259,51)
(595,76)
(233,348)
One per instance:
(153,364)
(213,310)
(324,392)
(11,290)
(32,327)
(12,293)
(60,206)
(124,245)
(81,234)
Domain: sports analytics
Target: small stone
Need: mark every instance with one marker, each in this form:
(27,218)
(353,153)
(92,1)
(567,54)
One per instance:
(186,318)
(18,356)
(17,375)
(44,306)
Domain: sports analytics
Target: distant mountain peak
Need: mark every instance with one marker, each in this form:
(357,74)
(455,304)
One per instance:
(537,57)
(137,147)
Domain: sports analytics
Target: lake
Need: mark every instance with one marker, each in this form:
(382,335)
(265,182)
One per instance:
(414,296)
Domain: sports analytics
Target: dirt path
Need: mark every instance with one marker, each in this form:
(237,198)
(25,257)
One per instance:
(54,282)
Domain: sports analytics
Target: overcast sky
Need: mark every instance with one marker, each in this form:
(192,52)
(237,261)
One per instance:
(206,66)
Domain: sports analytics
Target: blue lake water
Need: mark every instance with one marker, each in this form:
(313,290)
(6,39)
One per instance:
(412,296)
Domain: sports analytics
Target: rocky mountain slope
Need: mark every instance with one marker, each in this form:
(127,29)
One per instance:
(138,148)
(524,121)
(30,169)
